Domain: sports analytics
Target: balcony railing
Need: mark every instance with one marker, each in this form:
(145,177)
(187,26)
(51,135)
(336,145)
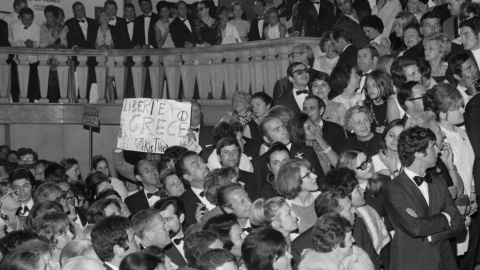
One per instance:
(216,71)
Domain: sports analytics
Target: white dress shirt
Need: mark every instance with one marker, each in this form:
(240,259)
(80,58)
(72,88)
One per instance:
(203,199)
(147,26)
(19,33)
(180,245)
(29,204)
(187,23)
(300,98)
(130,28)
(260,27)
(317,7)
(152,199)
(84,26)
(196,133)
(463,92)
(112,21)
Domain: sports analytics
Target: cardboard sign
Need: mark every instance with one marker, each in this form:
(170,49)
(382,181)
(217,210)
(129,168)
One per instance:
(153,125)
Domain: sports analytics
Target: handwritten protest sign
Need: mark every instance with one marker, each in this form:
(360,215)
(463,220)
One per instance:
(153,125)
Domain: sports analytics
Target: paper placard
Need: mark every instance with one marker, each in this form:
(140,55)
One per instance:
(153,125)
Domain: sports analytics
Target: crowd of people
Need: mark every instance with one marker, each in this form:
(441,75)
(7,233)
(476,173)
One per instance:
(366,157)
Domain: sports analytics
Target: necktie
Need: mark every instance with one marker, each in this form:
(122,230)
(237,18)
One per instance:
(299,92)
(81,21)
(248,230)
(25,210)
(419,180)
(129,22)
(195,129)
(156,193)
(178,241)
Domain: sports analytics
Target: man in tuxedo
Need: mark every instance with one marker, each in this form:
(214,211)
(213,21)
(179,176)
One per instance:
(274,130)
(314,18)
(113,239)
(342,41)
(201,133)
(23,184)
(302,53)
(82,31)
(146,172)
(410,97)
(229,152)
(366,59)
(118,26)
(15,14)
(349,21)
(173,212)
(469,30)
(191,169)
(151,229)
(4,34)
(129,15)
(421,208)
(144,28)
(333,134)
(258,24)
(182,28)
(450,25)
(327,202)
(299,75)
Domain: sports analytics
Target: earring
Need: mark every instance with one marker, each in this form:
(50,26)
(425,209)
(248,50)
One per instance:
(351,131)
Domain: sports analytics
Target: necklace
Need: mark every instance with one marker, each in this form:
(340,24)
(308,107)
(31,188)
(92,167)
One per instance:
(375,117)
(360,144)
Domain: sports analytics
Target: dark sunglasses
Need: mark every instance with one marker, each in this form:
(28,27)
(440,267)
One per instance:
(301,71)
(364,164)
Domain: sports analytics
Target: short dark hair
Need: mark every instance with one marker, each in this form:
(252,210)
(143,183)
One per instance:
(220,10)
(341,33)
(180,169)
(340,180)
(55,173)
(262,246)
(222,130)
(329,232)
(54,10)
(296,130)
(111,3)
(473,23)
(413,140)
(372,21)
(277,147)
(327,202)
(97,159)
(430,15)
(228,142)
(172,153)
(21,258)
(291,67)
(140,260)
(96,211)
(222,225)
(396,69)
(16,3)
(104,194)
(128,5)
(77,4)
(215,258)
(196,245)
(339,78)
(15,239)
(175,202)
(264,97)
(405,92)
(148,1)
(415,26)
(93,180)
(161,5)
(27,151)
(109,232)
(455,64)
(41,192)
(21,173)
(26,11)
(373,50)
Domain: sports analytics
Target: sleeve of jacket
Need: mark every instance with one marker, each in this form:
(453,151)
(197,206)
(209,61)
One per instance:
(472,125)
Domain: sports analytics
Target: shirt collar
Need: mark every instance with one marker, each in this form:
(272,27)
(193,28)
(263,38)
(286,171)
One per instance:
(196,191)
(29,204)
(112,266)
(410,174)
(461,88)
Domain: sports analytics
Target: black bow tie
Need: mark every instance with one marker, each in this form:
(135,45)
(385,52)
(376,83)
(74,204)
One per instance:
(202,194)
(419,180)
(81,21)
(148,16)
(129,22)
(26,28)
(156,193)
(248,230)
(301,92)
(111,19)
(178,241)
(183,20)
(316,3)
(260,18)
(195,129)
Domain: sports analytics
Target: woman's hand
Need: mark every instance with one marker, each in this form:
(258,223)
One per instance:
(447,155)
(388,158)
(453,191)
(412,212)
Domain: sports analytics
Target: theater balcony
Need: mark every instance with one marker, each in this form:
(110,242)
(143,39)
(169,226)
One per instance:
(210,75)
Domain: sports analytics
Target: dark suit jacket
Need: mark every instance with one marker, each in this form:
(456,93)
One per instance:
(254,33)
(362,8)
(191,201)
(348,56)
(288,100)
(472,125)
(416,51)
(261,171)
(302,242)
(139,31)
(450,27)
(136,202)
(410,248)
(180,32)
(359,38)
(4,34)
(283,85)
(205,136)
(82,215)
(314,24)
(120,37)
(443,11)
(251,148)
(172,252)
(75,35)
(248,179)
(334,135)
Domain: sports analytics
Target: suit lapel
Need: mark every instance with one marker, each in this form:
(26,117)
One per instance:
(313,11)
(79,28)
(416,193)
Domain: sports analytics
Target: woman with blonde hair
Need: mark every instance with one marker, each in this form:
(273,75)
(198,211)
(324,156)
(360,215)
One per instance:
(276,213)
(437,48)
(76,248)
(297,182)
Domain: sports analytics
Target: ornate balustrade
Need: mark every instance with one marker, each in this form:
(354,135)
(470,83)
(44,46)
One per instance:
(216,71)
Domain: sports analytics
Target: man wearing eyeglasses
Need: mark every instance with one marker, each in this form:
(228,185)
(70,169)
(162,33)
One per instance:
(299,75)
(410,97)
(257,24)
(421,208)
